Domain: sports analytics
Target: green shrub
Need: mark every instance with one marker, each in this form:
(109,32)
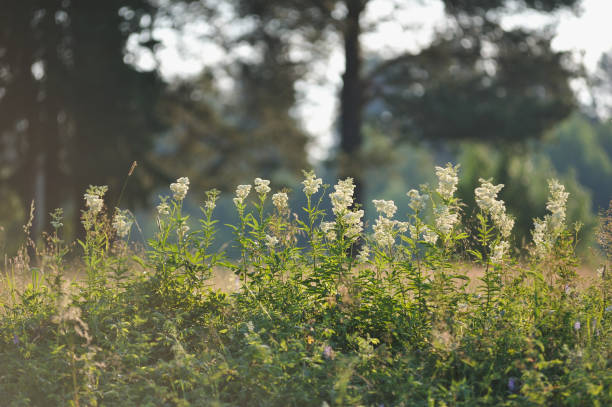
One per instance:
(432,310)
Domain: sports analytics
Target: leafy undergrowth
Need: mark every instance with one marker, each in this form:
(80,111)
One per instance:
(311,324)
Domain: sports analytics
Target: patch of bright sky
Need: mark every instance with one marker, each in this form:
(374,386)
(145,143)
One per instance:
(587,34)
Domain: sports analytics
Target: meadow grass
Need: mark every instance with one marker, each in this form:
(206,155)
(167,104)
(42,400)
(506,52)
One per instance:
(433,310)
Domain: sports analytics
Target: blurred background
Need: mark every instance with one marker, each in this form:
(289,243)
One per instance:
(223,91)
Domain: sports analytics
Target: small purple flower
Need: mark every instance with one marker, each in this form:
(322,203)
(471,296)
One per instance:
(328,352)
(576,325)
(512,384)
(15,339)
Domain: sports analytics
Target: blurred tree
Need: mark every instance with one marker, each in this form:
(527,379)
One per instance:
(72,111)
(224,140)
(474,81)
(601,87)
(478,82)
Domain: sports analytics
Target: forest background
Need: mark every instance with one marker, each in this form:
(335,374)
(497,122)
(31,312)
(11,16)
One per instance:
(83,95)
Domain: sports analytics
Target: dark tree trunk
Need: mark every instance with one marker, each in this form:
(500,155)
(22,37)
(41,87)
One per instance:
(50,178)
(351,100)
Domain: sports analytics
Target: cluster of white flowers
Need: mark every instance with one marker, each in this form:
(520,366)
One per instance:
(498,252)
(163,208)
(546,230)
(329,229)
(211,200)
(242,191)
(93,198)
(271,241)
(539,235)
(556,204)
(182,230)
(311,183)
(430,236)
(383,231)
(384,227)
(418,202)
(94,202)
(486,198)
(122,223)
(354,225)
(342,197)
(486,195)
(281,202)
(387,208)
(364,254)
(262,186)
(447,180)
(210,204)
(180,188)
(445,219)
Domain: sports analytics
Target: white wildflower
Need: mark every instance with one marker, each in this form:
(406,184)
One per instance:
(504,223)
(281,201)
(342,197)
(94,202)
(242,191)
(122,223)
(163,208)
(430,236)
(556,204)
(548,229)
(486,195)
(311,183)
(182,230)
(383,232)
(271,241)
(539,236)
(364,254)
(93,198)
(445,219)
(211,200)
(447,180)
(402,227)
(387,208)
(353,223)
(498,252)
(262,186)
(486,198)
(382,207)
(328,228)
(418,202)
(180,188)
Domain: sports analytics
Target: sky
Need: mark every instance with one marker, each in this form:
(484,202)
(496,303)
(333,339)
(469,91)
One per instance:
(586,34)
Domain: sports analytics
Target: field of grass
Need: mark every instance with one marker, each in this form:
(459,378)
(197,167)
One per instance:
(315,311)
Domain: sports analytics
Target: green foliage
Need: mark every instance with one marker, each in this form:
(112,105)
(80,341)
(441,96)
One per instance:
(583,146)
(311,324)
(524,174)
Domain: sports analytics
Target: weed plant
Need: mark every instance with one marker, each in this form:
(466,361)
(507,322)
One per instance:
(324,313)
